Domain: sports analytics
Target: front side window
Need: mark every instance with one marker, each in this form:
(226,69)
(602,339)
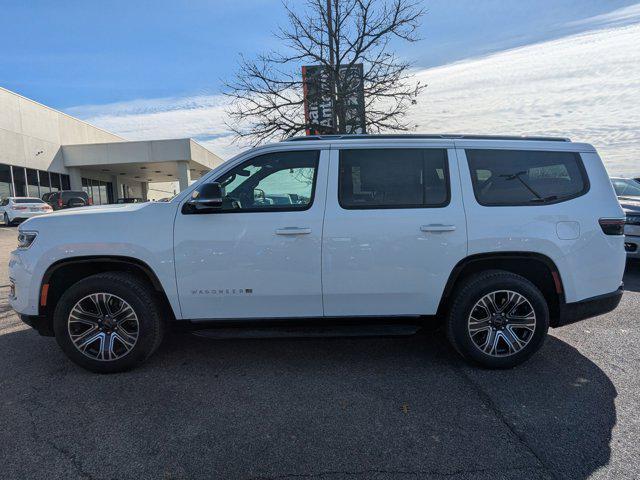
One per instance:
(393,178)
(521,177)
(272,182)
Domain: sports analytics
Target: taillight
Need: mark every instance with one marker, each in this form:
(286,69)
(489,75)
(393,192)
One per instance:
(90,201)
(612,226)
(15,207)
(60,204)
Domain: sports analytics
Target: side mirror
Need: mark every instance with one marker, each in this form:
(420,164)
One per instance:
(206,199)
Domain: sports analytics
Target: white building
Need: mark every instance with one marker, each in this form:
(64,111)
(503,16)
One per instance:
(43,150)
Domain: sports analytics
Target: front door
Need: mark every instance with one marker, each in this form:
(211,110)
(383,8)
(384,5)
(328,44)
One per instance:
(394,229)
(259,256)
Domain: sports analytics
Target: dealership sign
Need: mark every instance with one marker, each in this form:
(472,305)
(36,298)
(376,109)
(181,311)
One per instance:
(321,108)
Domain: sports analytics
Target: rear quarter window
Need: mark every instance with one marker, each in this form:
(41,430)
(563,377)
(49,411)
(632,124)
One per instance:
(526,177)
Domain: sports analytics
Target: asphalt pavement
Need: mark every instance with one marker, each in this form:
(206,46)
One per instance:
(340,408)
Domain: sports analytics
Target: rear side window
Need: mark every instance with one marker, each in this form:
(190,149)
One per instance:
(67,195)
(27,200)
(521,177)
(393,178)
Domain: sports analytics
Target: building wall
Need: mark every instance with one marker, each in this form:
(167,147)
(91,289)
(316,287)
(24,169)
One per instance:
(54,146)
(31,134)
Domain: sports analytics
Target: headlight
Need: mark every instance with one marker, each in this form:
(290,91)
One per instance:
(633,220)
(25,239)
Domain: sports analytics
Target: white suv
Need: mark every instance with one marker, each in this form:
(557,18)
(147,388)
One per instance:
(500,237)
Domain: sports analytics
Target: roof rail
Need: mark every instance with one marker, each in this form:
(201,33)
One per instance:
(443,136)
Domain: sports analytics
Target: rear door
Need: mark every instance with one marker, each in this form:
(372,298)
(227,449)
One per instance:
(394,229)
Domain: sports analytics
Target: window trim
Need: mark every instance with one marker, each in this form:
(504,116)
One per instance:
(282,208)
(579,164)
(447,178)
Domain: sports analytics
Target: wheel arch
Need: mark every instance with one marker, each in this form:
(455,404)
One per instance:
(536,267)
(64,273)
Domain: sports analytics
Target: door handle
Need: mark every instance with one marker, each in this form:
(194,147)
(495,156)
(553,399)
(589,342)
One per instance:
(293,231)
(437,227)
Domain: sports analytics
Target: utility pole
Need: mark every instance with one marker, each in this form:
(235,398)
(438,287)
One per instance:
(332,69)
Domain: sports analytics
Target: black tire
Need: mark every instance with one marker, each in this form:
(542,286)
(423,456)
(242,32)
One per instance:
(465,298)
(139,296)
(6,220)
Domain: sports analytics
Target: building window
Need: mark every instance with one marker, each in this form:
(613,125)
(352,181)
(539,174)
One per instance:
(45,185)
(5,181)
(32,183)
(55,181)
(110,198)
(100,192)
(19,182)
(66,184)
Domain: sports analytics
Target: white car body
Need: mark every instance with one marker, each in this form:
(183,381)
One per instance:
(327,261)
(21,208)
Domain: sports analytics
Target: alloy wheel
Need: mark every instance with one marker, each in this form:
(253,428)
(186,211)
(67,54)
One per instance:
(501,323)
(103,326)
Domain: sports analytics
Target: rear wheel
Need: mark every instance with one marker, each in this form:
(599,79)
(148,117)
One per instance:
(497,319)
(108,322)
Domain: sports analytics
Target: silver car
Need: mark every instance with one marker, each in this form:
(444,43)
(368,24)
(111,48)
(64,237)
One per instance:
(628,192)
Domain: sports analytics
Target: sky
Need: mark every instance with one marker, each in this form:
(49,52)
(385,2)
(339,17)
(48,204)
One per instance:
(154,69)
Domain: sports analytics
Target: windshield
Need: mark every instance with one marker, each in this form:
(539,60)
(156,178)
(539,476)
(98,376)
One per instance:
(27,200)
(626,188)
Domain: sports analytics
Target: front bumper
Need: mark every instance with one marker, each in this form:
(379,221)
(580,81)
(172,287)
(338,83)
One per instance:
(40,323)
(590,307)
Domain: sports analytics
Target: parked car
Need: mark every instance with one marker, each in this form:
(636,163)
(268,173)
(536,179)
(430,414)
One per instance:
(628,191)
(130,200)
(498,237)
(67,199)
(17,209)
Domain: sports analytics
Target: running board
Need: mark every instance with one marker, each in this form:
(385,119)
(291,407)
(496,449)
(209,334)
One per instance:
(302,331)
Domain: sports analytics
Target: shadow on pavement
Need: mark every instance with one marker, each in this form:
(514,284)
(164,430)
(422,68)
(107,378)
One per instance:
(367,408)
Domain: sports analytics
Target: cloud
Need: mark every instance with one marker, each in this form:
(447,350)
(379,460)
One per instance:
(620,17)
(585,86)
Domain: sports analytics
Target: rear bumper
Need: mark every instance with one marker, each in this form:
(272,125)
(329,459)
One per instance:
(40,323)
(21,216)
(632,246)
(590,307)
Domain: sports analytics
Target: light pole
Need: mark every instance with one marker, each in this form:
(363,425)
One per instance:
(332,69)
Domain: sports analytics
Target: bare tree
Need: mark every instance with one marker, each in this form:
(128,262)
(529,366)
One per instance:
(267,92)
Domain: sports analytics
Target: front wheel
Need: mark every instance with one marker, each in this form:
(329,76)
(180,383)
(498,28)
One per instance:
(109,322)
(497,319)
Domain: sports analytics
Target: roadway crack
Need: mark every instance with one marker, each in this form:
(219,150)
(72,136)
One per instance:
(417,473)
(35,434)
(491,405)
